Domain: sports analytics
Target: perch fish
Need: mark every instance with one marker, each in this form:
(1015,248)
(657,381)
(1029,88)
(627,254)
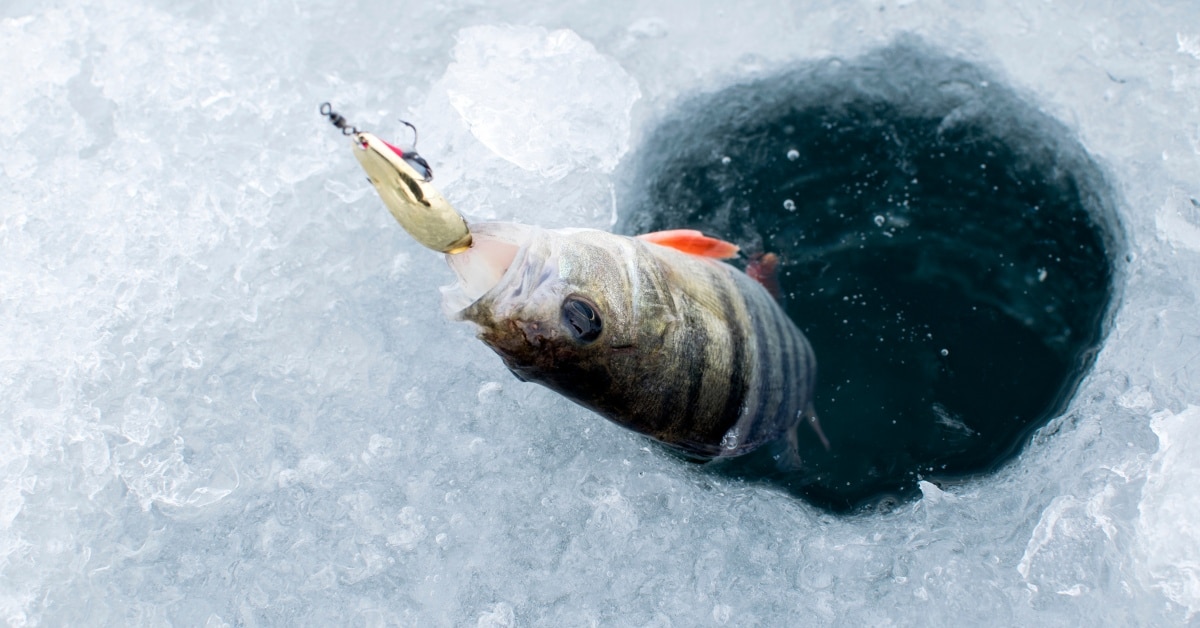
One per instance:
(655,333)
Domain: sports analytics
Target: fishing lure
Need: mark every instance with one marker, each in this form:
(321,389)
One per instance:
(402,179)
(411,156)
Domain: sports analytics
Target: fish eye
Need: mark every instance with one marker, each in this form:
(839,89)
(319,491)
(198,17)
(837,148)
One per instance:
(581,319)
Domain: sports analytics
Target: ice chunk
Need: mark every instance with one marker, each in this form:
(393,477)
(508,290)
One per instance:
(38,61)
(1168,525)
(1189,44)
(500,616)
(10,504)
(1178,221)
(932,494)
(546,101)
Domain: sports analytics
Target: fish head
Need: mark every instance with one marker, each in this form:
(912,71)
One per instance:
(560,307)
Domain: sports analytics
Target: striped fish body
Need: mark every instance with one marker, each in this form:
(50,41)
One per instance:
(685,349)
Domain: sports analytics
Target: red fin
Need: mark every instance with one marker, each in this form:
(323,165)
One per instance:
(692,242)
(764,269)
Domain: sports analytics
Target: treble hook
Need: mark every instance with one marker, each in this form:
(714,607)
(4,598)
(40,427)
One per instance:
(339,121)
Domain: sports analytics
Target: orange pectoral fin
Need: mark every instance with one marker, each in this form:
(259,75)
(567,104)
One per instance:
(692,242)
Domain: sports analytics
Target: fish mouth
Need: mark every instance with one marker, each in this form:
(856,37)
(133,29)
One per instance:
(498,256)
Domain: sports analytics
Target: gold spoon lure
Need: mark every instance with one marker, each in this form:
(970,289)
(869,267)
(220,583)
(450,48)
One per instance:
(402,179)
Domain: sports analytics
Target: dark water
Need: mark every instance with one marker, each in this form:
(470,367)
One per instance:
(947,248)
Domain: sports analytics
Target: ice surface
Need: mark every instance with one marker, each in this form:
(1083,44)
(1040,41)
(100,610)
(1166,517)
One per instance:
(546,101)
(1168,534)
(229,395)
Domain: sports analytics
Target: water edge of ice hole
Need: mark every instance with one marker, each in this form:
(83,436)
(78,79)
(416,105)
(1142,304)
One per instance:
(951,251)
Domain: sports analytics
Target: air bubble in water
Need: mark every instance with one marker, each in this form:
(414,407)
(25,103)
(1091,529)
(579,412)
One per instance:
(789,205)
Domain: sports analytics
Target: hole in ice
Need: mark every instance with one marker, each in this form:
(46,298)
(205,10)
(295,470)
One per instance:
(948,249)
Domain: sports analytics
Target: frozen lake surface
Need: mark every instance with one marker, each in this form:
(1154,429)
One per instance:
(230,396)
